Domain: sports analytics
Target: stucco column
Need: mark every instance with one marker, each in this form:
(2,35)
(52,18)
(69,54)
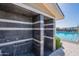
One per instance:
(41,35)
(54,32)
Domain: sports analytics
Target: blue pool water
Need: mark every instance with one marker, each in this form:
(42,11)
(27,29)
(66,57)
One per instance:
(69,36)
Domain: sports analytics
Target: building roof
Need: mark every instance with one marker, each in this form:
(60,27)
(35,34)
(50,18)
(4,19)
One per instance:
(51,10)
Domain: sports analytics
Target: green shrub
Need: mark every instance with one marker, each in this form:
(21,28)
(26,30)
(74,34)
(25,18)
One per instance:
(58,42)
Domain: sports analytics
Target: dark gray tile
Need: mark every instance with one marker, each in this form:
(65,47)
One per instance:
(2,34)
(23,48)
(7,50)
(13,16)
(36,43)
(37,37)
(8,36)
(25,42)
(36,49)
(48,21)
(36,34)
(48,33)
(17,35)
(15,25)
(18,49)
(49,26)
(48,43)
(36,25)
(35,18)
(48,46)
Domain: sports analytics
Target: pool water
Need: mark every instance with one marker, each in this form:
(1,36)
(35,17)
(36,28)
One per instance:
(69,36)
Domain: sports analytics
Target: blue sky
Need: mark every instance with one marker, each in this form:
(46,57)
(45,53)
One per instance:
(71,15)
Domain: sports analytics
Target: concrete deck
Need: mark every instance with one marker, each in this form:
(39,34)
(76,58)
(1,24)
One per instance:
(68,49)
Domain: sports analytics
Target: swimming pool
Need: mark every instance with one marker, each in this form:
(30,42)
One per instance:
(69,36)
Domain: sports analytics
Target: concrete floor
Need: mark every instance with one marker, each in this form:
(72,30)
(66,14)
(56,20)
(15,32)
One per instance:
(68,49)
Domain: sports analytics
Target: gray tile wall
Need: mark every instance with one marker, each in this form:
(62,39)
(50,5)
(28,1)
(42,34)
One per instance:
(48,46)
(15,25)
(18,49)
(12,16)
(36,48)
(22,49)
(50,26)
(36,25)
(36,35)
(13,35)
(35,18)
(48,21)
(48,33)
(48,43)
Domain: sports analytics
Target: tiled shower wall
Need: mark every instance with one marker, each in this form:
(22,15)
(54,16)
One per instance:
(11,41)
(19,42)
(36,36)
(49,34)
